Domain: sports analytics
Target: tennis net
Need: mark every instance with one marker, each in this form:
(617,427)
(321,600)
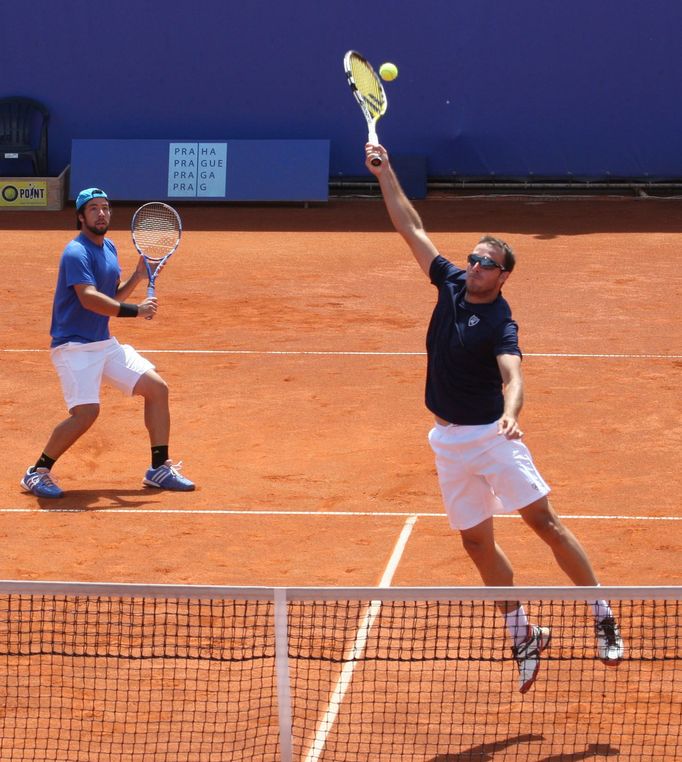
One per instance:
(92,671)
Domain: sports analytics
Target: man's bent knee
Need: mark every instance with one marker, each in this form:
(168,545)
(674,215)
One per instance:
(151,386)
(542,519)
(85,415)
(477,540)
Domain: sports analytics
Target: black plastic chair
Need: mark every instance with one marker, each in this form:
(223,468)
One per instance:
(23,131)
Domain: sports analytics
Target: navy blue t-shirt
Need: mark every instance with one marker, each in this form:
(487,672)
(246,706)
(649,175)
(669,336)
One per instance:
(463,380)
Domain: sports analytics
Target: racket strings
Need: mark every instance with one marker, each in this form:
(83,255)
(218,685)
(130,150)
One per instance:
(368,86)
(156,232)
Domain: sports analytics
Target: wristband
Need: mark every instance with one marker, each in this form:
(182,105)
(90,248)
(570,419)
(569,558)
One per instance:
(127,310)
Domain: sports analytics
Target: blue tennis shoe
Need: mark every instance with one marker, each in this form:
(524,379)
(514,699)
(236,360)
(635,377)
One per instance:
(168,477)
(40,483)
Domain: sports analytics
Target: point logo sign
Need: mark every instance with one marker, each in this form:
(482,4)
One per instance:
(22,193)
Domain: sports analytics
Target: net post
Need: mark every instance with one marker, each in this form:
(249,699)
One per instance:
(282,675)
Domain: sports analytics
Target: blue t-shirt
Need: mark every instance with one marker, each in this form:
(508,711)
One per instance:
(86,263)
(463,380)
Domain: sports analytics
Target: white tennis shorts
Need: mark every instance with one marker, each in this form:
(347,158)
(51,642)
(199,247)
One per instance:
(82,367)
(482,473)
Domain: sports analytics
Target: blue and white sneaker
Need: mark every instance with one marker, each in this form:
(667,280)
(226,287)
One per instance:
(40,483)
(168,476)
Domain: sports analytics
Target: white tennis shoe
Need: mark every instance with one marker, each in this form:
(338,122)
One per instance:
(610,646)
(527,655)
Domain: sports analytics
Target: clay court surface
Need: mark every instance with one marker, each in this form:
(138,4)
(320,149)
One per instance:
(293,343)
(292,339)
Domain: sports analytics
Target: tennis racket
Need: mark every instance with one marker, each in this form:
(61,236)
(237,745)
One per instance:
(368,92)
(156,229)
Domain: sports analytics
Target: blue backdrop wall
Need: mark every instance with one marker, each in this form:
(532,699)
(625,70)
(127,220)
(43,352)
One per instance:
(587,88)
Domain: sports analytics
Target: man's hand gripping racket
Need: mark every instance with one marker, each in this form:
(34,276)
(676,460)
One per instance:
(156,229)
(368,92)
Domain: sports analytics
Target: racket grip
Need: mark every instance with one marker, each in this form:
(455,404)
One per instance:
(375,161)
(151,291)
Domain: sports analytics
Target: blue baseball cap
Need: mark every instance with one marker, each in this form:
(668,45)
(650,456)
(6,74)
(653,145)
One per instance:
(88,194)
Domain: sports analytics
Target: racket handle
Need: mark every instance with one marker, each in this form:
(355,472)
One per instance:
(151,291)
(372,137)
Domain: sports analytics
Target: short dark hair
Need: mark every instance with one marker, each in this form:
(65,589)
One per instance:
(509,258)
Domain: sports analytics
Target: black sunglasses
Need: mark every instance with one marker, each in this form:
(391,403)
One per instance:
(485,262)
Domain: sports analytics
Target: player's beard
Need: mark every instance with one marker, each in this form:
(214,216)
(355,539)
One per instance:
(98,230)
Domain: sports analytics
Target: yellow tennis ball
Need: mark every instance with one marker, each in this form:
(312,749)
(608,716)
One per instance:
(388,71)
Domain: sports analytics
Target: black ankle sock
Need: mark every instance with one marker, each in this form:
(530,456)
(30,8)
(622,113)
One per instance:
(159,455)
(44,461)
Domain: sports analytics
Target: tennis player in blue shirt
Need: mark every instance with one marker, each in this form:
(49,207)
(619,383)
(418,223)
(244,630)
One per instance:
(474,388)
(89,292)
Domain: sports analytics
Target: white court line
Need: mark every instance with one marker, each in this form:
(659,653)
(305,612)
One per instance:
(357,649)
(369,354)
(349,514)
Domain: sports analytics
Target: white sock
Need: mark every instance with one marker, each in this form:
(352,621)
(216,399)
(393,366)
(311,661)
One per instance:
(517,625)
(601,609)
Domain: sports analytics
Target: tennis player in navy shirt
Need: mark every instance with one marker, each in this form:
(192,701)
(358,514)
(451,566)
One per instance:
(474,388)
(89,292)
